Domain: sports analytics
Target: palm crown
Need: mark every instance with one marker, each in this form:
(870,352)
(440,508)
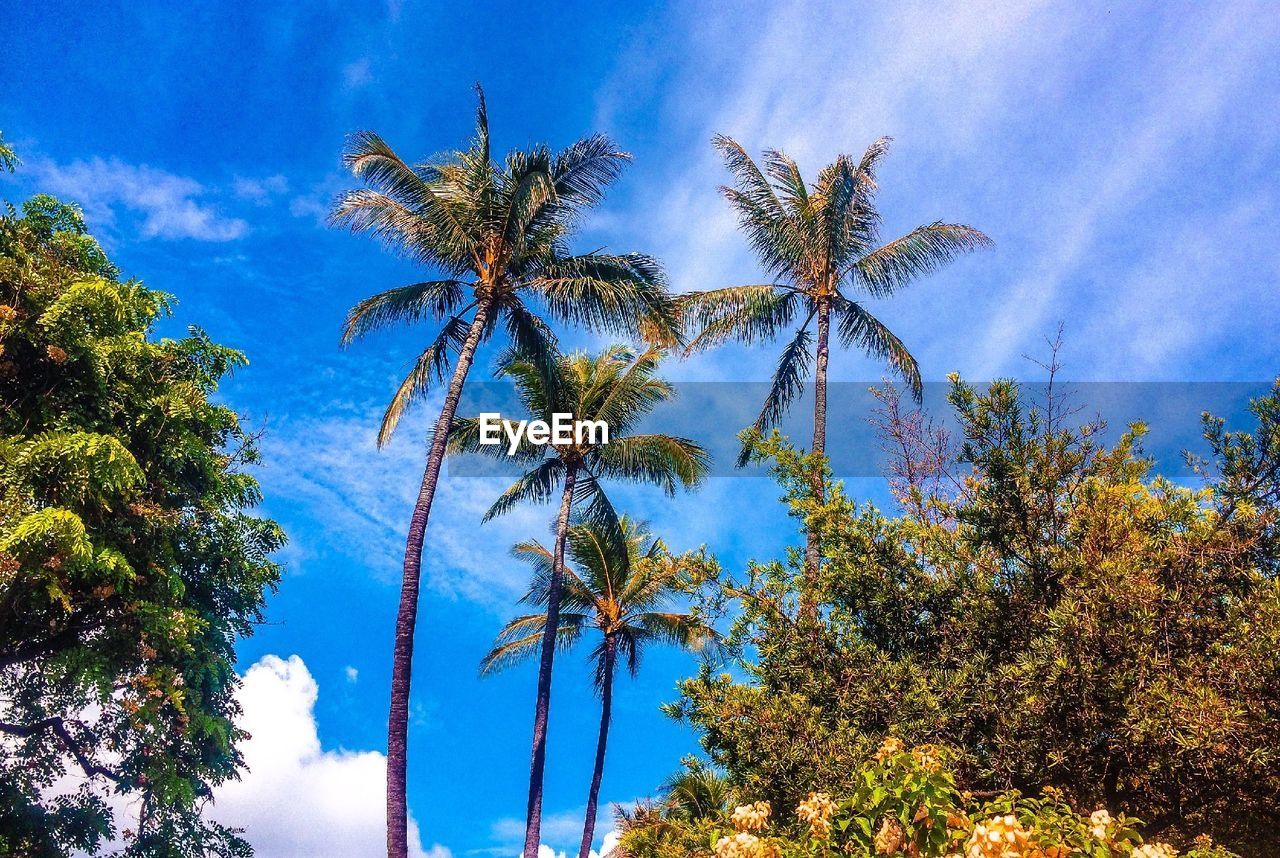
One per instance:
(624,584)
(618,387)
(498,232)
(817,243)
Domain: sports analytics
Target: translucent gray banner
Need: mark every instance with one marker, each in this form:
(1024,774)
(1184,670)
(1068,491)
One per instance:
(713,413)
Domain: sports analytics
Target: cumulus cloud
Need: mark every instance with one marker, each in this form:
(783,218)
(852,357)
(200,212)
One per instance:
(298,799)
(169,206)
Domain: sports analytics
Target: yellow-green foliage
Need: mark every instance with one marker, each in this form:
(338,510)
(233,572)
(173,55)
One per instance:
(1043,605)
(905,805)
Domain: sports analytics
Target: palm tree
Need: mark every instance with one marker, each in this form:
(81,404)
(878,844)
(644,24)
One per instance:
(816,243)
(698,792)
(496,235)
(617,387)
(624,583)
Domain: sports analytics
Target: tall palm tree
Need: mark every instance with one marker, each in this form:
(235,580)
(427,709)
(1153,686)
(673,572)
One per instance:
(818,244)
(496,237)
(623,587)
(617,387)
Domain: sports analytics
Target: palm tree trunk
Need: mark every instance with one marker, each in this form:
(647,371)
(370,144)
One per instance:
(606,714)
(407,616)
(533,826)
(812,555)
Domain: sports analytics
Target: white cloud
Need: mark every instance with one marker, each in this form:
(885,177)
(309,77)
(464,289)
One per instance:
(170,206)
(297,799)
(260,191)
(561,834)
(361,499)
(357,74)
(352,674)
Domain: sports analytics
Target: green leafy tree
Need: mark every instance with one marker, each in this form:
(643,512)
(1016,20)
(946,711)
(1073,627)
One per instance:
(821,245)
(496,234)
(622,583)
(616,388)
(1044,604)
(129,560)
(8,158)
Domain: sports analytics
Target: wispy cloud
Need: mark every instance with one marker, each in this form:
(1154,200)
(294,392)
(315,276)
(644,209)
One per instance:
(1064,133)
(331,483)
(260,191)
(167,205)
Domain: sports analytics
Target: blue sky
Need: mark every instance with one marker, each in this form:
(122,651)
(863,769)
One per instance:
(1124,158)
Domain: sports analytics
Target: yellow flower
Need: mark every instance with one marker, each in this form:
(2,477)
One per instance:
(999,837)
(751,817)
(1154,850)
(744,844)
(816,810)
(889,748)
(889,838)
(928,758)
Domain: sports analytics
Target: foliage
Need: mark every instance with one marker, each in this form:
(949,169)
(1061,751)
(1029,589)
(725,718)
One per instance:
(1043,604)
(617,387)
(8,158)
(902,802)
(622,584)
(817,242)
(499,233)
(129,564)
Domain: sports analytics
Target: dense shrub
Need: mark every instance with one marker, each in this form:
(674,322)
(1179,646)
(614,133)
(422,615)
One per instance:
(906,803)
(1043,604)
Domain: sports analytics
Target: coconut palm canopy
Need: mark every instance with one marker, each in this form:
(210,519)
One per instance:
(619,386)
(624,587)
(497,233)
(623,584)
(820,245)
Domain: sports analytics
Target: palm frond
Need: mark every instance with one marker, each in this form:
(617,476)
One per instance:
(686,631)
(925,249)
(788,383)
(748,314)
(430,367)
(432,299)
(535,486)
(531,338)
(772,230)
(661,460)
(858,328)
(464,438)
(481,141)
(623,294)
(786,177)
(585,169)
(372,159)
(522,638)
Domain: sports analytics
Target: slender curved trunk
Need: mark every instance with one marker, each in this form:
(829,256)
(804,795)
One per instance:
(407,616)
(812,554)
(533,826)
(606,714)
